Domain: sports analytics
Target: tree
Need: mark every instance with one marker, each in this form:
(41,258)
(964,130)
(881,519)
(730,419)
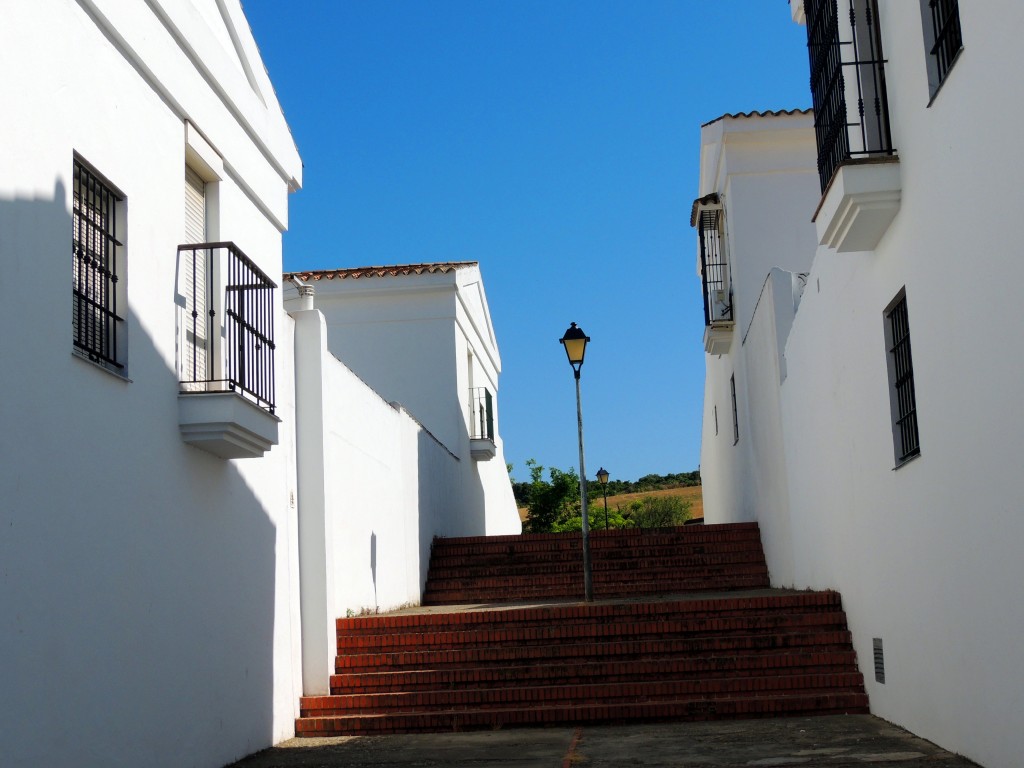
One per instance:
(550,501)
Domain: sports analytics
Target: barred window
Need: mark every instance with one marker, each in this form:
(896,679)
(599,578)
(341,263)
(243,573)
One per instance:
(903,400)
(942,38)
(95,322)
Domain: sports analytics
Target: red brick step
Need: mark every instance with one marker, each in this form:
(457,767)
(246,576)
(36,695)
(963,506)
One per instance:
(708,651)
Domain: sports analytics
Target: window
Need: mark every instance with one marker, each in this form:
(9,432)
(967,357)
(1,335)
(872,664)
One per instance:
(735,413)
(851,112)
(942,38)
(903,400)
(709,220)
(97,269)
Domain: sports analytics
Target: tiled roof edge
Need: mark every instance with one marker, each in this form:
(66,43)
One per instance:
(395,270)
(756,113)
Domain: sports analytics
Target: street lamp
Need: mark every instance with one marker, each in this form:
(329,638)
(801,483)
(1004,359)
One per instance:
(602,478)
(575,342)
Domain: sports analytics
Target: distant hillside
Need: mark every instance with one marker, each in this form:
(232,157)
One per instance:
(692,494)
(644,486)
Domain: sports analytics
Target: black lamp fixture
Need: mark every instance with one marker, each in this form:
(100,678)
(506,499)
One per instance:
(575,342)
(602,478)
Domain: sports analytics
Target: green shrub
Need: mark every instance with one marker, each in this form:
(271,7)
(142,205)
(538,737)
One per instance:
(656,512)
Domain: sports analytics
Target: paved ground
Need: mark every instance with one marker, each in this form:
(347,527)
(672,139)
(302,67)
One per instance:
(851,741)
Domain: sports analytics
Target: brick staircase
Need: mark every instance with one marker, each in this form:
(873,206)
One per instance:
(624,563)
(697,655)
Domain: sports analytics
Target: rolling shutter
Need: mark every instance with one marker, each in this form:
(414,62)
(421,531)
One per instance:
(195,280)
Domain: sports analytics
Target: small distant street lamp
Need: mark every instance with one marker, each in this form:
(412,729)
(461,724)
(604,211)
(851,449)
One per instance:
(575,342)
(602,478)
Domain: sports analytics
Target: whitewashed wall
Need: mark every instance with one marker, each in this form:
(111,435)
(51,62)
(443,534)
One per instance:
(375,488)
(762,168)
(148,588)
(423,341)
(925,555)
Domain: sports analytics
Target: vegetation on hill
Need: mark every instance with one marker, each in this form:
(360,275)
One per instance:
(554,504)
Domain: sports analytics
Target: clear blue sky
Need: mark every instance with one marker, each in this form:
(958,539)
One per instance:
(554,142)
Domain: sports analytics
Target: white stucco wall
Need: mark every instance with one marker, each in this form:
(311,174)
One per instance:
(149,589)
(762,168)
(422,340)
(924,555)
(375,488)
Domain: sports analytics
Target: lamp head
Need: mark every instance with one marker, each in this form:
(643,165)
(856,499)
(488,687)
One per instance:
(602,476)
(575,342)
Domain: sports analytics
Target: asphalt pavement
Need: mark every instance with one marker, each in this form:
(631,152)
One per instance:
(845,741)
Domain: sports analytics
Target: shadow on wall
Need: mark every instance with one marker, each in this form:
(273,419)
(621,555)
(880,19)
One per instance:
(137,573)
(446,490)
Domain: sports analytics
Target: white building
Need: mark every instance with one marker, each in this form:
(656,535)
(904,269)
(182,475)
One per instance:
(421,335)
(880,470)
(398,441)
(158,530)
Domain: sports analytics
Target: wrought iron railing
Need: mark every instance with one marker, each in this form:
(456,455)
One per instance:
(717,296)
(481,414)
(226,334)
(851,112)
(946,34)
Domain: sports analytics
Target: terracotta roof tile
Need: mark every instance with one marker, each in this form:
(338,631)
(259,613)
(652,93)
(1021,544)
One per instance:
(755,113)
(396,270)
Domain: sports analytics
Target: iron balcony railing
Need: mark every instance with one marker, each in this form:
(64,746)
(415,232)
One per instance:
(851,112)
(481,414)
(714,277)
(226,327)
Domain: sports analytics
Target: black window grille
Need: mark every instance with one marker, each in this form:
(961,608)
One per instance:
(228,335)
(481,416)
(851,112)
(735,411)
(94,319)
(717,295)
(904,400)
(946,37)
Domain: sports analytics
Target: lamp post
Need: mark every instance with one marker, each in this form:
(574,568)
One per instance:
(602,478)
(575,342)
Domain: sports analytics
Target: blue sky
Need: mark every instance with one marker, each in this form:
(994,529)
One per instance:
(557,144)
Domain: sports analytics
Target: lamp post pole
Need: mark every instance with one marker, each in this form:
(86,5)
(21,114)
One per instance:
(602,478)
(575,343)
(588,586)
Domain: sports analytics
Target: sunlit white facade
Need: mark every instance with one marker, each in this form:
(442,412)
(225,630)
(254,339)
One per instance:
(872,354)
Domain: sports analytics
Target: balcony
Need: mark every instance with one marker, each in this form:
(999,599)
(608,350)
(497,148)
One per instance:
(708,217)
(481,424)
(857,167)
(225,352)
